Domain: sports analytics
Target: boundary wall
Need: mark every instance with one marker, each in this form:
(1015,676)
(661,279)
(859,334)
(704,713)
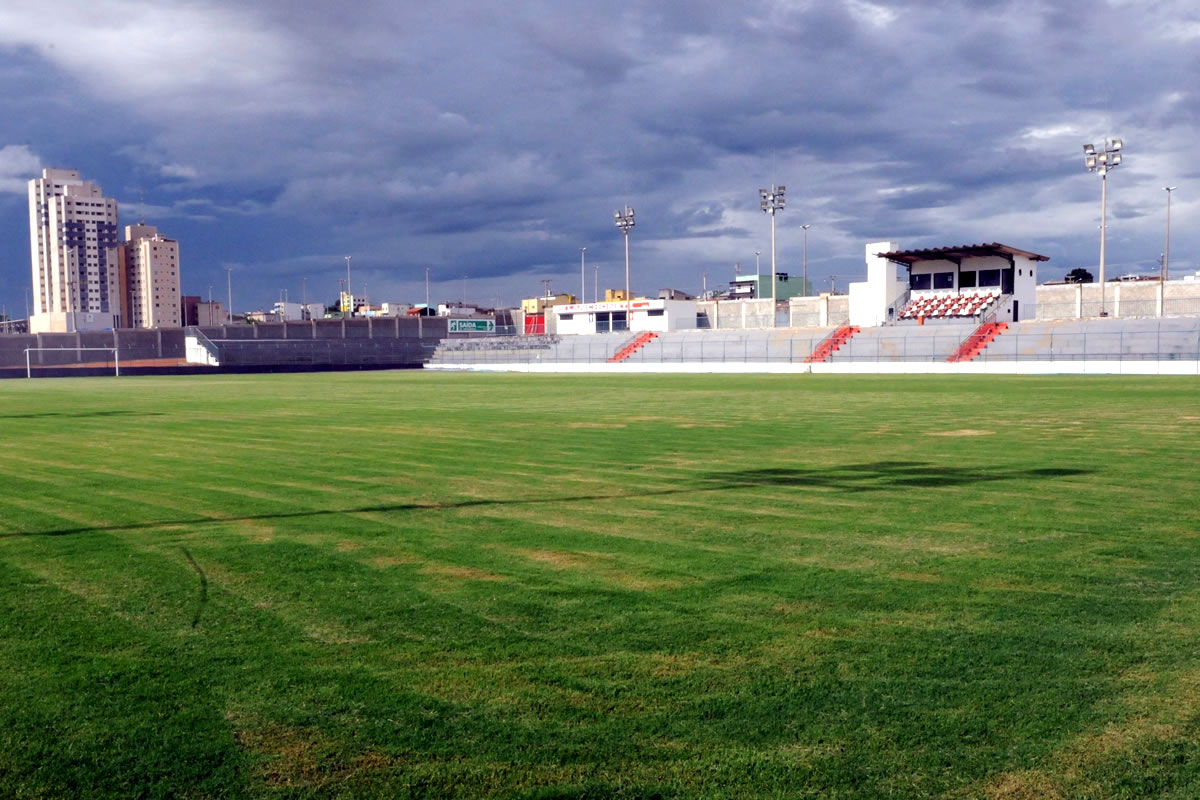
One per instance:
(847,368)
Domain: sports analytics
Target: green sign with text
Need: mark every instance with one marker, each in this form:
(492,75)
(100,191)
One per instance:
(472,326)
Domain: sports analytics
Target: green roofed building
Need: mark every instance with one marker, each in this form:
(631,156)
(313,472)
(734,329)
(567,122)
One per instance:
(753,287)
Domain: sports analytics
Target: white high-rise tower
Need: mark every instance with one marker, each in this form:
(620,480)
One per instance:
(73,246)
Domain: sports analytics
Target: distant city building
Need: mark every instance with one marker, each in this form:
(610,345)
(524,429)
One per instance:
(395,309)
(74,251)
(289,312)
(199,312)
(538,305)
(758,287)
(150,264)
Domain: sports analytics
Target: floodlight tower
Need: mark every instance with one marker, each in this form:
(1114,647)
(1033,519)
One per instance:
(804,274)
(349,294)
(625,224)
(583,275)
(1167,249)
(772,200)
(1102,161)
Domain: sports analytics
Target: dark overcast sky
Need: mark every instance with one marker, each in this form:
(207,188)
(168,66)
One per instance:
(493,140)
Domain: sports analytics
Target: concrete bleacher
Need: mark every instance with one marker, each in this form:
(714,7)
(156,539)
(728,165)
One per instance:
(905,343)
(1097,339)
(492,349)
(1092,339)
(778,345)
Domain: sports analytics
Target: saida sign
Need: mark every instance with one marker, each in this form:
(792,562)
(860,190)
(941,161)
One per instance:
(472,326)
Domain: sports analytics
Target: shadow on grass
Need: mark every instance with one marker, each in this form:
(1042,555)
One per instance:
(81,414)
(872,477)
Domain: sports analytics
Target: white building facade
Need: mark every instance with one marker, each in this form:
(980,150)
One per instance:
(993,281)
(74,252)
(642,314)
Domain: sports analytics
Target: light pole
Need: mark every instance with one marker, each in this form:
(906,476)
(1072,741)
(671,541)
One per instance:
(427,289)
(804,273)
(349,295)
(229,287)
(596,284)
(772,200)
(1102,161)
(1167,249)
(757,270)
(582,273)
(625,224)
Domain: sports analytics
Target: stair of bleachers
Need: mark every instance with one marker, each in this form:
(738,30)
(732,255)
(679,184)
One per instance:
(949,304)
(830,346)
(637,344)
(978,340)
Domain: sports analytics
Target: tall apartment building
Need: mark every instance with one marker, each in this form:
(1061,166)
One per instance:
(150,264)
(73,245)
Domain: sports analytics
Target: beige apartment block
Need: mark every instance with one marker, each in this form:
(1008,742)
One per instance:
(152,278)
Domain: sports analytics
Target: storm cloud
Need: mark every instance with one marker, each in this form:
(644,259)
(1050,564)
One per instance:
(494,141)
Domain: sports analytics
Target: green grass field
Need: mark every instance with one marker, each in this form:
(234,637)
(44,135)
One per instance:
(443,585)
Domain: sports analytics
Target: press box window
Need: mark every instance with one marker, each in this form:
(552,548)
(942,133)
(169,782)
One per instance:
(919,280)
(943,280)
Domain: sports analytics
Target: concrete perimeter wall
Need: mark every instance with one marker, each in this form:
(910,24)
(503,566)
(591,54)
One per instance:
(395,341)
(1127,299)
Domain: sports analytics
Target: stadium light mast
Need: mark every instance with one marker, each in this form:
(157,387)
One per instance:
(583,275)
(1167,248)
(804,273)
(229,287)
(772,200)
(349,294)
(625,224)
(1102,162)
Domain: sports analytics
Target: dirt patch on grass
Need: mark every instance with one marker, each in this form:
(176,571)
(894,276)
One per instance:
(1022,786)
(828,562)
(555,559)
(346,546)
(394,560)
(255,531)
(962,432)
(601,565)
(923,577)
(296,757)
(1018,586)
(460,573)
(595,424)
(330,633)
